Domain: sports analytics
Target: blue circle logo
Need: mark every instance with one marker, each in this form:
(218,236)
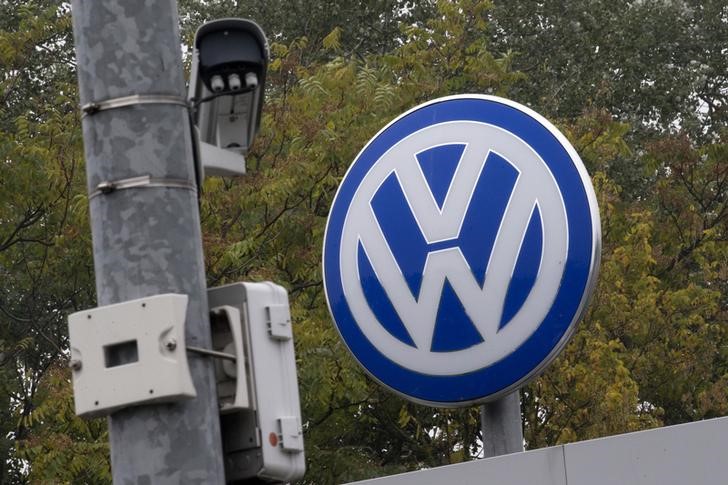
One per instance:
(461,249)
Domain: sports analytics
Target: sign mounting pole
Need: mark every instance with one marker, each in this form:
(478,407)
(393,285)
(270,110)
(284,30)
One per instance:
(501,426)
(146,237)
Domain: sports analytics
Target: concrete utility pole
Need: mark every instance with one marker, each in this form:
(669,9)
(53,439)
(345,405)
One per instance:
(501,425)
(146,235)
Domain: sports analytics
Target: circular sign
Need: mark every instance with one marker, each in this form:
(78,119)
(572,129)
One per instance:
(461,249)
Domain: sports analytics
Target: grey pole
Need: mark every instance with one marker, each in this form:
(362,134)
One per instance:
(147,240)
(502,426)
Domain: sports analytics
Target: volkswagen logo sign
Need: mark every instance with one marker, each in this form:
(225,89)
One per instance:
(461,249)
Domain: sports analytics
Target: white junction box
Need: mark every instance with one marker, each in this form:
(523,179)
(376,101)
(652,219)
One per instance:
(261,428)
(128,354)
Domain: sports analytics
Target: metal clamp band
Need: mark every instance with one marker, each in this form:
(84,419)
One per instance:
(135,99)
(145,181)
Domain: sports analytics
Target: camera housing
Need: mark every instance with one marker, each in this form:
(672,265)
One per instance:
(227,85)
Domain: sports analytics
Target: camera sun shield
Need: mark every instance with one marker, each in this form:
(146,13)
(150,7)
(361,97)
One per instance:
(227,83)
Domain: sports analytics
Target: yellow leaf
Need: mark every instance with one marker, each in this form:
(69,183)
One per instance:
(333,40)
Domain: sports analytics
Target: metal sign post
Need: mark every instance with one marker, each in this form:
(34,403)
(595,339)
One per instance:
(501,426)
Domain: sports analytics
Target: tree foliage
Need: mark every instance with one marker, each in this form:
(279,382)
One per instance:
(45,260)
(360,28)
(658,64)
(638,87)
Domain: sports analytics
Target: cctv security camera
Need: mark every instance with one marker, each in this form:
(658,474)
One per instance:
(229,63)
